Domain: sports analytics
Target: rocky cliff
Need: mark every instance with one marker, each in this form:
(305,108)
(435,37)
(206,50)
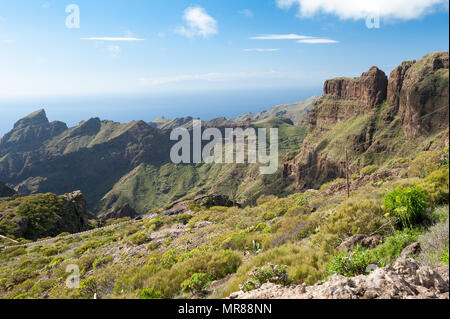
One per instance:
(120,212)
(43,215)
(344,98)
(418,95)
(30,132)
(6,191)
(365,115)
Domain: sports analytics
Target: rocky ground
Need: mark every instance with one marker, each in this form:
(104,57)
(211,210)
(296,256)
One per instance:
(405,279)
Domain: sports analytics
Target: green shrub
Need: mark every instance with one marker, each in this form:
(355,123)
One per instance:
(150,293)
(356,262)
(425,163)
(139,238)
(408,205)
(369,170)
(196,283)
(436,185)
(271,273)
(88,287)
(444,256)
(350,263)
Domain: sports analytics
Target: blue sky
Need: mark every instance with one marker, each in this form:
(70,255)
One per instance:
(205,45)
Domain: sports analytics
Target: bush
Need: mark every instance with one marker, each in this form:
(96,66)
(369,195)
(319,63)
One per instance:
(196,283)
(434,244)
(436,186)
(270,273)
(408,205)
(369,170)
(139,238)
(356,262)
(350,263)
(424,164)
(150,293)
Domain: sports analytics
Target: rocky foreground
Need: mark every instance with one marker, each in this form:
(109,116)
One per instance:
(405,279)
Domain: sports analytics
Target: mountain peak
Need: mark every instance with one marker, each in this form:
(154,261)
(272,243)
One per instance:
(37,118)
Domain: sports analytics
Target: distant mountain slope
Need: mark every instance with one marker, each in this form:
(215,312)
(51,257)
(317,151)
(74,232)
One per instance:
(295,112)
(6,191)
(375,117)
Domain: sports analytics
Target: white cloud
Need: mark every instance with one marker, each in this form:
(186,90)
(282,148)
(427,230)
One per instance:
(280,37)
(261,50)
(210,77)
(358,9)
(317,40)
(46,5)
(112,39)
(199,23)
(246,12)
(114,50)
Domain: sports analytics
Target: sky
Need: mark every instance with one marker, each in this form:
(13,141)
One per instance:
(141,59)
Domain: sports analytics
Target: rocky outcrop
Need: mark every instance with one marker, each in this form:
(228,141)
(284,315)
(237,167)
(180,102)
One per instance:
(310,170)
(369,90)
(30,132)
(405,279)
(6,191)
(120,212)
(345,98)
(418,95)
(368,242)
(74,215)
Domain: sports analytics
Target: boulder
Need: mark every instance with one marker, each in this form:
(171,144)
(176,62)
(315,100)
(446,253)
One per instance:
(368,242)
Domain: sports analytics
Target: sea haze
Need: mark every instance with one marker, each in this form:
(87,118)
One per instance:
(124,108)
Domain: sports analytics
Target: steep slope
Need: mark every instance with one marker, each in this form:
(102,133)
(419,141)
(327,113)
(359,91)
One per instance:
(295,112)
(6,191)
(42,215)
(30,132)
(92,157)
(376,119)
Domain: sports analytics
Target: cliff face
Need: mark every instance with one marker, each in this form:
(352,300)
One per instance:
(6,191)
(30,132)
(368,90)
(91,156)
(418,95)
(43,215)
(344,98)
(414,98)
(117,213)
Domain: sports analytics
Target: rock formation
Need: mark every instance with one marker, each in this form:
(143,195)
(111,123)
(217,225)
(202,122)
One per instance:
(120,212)
(6,191)
(30,132)
(418,94)
(405,279)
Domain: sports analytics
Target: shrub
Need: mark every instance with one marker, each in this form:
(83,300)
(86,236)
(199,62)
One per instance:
(350,263)
(434,244)
(424,164)
(88,287)
(436,186)
(150,293)
(369,170)
(356,262)
(196,283)
(271,273)
(408,205)
(139,238)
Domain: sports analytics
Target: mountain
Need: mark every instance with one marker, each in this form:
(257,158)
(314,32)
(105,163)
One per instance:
(295,112)
(376,119)
(304,232)
(6,191)
(43,215)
